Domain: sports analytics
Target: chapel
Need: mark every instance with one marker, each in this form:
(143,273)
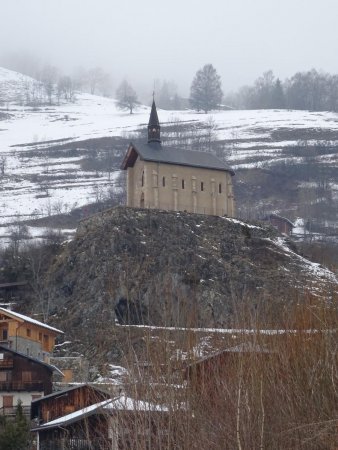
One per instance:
(169,178)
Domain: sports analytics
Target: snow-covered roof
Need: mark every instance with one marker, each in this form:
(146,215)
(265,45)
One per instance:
(73,417)
(121,403)
(23,318)
(124,403)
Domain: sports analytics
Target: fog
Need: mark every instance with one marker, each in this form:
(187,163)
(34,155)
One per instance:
(148,40)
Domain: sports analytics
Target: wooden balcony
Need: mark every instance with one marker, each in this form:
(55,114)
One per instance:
(6,364)
(11,410)
(76,444)
(27,386)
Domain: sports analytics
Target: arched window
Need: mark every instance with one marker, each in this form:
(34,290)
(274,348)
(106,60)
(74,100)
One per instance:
(182,184)
(142,179)
(163,181)
(220,188)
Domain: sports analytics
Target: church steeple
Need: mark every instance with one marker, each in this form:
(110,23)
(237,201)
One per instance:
(154,129)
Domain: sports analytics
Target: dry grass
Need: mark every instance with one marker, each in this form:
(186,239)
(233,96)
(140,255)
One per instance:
(284,399)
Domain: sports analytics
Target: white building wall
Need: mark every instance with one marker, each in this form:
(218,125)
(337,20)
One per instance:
(25,397)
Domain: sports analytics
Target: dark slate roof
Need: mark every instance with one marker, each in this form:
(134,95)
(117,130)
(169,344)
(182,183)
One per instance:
(155,152)
(153,119)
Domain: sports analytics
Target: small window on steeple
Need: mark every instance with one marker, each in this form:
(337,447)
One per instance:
(142,179)
(202,186)
(163,181)
(220,188)
(183,184)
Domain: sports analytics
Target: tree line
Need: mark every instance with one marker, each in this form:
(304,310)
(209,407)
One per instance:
(51,86)
(310,90)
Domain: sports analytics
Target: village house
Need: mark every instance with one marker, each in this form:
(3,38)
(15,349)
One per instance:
(25,335)
(12,292)
(22,378)
(86,417)
(282,224)
(169,178)
(206,373)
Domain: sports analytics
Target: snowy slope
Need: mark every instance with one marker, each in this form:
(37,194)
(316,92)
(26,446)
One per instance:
(13,86)
(250,135)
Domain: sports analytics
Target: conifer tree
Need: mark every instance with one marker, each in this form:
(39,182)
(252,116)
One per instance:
(277,97)
(206,91)
(14,434)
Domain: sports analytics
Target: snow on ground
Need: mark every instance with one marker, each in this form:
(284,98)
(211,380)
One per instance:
(316,270)
(253,138)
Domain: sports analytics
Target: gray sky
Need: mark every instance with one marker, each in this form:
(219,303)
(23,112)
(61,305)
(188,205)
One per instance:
(145,40)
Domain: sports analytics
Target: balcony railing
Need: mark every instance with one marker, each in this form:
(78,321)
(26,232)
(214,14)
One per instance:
(6,363)
(76,444)
(11,410)
(29,386)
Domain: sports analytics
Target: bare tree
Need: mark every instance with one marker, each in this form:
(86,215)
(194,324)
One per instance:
(95,78)
(65,88)
(126,96)
(48,77)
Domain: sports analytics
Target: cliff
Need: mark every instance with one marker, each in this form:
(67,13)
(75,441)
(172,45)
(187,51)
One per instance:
(175,269)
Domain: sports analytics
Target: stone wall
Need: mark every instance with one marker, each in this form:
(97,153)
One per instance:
(180,188)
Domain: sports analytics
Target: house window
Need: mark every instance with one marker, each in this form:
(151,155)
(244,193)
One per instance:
(29,332)
(182,184)
(5,376)
(4,335)
(163,181)
(220,188)
(40,336)
(142,179)
(26,376)
(7,401)
(202,186)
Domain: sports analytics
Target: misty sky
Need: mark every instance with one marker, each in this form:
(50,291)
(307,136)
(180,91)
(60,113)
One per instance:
(145,40)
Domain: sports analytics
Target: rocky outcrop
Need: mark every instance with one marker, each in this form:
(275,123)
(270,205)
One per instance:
(176,269)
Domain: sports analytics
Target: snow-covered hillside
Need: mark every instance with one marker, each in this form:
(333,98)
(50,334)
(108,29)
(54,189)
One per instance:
(13,86)
(253,139)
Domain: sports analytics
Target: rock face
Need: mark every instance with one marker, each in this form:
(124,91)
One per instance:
(176,269)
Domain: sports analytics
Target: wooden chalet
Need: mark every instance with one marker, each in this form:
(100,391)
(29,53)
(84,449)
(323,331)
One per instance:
(85,417)
(22,378)
(67,401)
(223,366)
(282,224)
(26,335)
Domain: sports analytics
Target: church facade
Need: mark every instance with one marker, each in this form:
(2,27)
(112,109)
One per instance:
(163,177)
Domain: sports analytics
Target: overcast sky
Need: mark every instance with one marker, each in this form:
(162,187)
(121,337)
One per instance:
(149,39)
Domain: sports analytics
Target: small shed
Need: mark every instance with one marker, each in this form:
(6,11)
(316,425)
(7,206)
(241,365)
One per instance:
(224,366)
(282,224)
